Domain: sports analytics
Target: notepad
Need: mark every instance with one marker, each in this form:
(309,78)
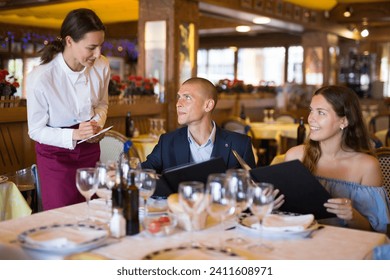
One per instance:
(100,132)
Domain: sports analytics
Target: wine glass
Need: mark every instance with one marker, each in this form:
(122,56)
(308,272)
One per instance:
(145,180)
(87,184)
(239,180)
(220,199)
(261,201)
(192,199)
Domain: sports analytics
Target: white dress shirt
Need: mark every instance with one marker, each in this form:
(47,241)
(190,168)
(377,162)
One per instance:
(59,97)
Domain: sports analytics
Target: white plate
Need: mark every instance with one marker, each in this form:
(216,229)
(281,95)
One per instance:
(247,220)
(192,253)
(63,239)
(3,179)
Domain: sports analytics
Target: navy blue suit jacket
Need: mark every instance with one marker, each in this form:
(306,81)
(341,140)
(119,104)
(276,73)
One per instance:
(173,149)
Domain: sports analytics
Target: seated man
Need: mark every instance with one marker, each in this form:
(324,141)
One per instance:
(200,138)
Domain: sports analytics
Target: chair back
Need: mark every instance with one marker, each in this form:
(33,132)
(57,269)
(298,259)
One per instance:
(37,200)
(111,146)
(383,155)
(286,118)
(379,122)
(237,125)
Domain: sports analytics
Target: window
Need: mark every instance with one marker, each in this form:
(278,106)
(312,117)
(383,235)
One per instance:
(294,67)
(257,65)
(216,64)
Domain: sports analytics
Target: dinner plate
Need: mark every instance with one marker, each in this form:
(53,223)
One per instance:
(63,239)
(3,179)
(192,253)
(247,220)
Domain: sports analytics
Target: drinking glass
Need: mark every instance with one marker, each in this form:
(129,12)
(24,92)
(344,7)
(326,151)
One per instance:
(261,201)
(192,199)
(239,180)
(87,184)
(220,199)
(145,180)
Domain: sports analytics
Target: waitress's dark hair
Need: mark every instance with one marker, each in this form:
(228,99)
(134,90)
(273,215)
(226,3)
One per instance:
(76,24)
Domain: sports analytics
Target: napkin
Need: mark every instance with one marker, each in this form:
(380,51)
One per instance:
(60,237)
(183,219)
(275,222)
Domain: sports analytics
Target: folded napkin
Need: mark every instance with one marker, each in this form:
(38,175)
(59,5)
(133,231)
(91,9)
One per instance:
(183,220)
(63,237)
(276,222)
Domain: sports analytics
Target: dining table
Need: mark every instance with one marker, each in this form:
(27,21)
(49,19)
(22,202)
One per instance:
(275,131)
(324,243)
(144,144)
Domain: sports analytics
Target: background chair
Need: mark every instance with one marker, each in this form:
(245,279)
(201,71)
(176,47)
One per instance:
(111,146)
(286,118)
(237,124)
(383,154)
(379,122)
(37,199)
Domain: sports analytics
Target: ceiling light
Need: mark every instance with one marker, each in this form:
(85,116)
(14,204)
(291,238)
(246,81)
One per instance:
(261,20)
(347,12)
(243,28)
(364,32)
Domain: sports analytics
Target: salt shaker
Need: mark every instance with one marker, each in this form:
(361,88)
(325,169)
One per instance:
(117,223)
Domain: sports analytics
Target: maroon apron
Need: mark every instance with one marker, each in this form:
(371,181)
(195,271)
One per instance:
(57,172)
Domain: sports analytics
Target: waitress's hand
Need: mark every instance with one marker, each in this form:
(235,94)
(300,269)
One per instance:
(85,130)
(341,207)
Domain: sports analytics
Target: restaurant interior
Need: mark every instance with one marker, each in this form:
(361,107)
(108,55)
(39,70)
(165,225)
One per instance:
(266,58)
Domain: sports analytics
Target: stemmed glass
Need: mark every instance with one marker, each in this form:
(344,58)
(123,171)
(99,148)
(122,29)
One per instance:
(261,201)
(145,180)
(192,199)
(239,181)
(87,184)
(220,199)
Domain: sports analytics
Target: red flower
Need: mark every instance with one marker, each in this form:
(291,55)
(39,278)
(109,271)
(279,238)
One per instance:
(116,78)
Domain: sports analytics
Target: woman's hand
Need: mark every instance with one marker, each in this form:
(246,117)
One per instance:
(341,207)
(85,130)
(278,200)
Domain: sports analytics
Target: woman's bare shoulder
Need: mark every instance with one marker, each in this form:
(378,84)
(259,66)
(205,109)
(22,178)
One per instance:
(294,153)
(370,169)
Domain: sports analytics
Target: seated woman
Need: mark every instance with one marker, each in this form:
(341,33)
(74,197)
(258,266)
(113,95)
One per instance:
(338,152)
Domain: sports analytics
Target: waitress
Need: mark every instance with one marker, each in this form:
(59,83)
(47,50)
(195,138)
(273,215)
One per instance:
(67,101)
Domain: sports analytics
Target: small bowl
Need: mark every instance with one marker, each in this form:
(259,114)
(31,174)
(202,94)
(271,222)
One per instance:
(160,225)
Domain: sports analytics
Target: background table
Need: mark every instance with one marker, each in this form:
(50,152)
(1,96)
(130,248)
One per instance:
(144,145)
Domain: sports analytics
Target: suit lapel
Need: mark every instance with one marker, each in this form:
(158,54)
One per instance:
(182,147)
(222,145)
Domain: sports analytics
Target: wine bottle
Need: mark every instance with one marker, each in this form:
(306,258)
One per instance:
(242,113)
(301,133)
(131,206)
(117,190)
(130,127)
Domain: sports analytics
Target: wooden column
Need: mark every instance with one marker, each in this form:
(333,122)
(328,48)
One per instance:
(178,15)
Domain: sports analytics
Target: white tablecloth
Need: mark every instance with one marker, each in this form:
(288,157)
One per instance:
(329,243)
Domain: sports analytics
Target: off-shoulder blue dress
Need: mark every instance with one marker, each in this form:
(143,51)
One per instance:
(371,202)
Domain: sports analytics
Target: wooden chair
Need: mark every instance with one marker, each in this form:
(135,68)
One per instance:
(383,154)
(111,146)
(379,122)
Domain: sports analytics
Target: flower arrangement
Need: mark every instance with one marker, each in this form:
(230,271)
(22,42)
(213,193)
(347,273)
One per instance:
(233,86)
(137,85)
(8,85)
(115,86)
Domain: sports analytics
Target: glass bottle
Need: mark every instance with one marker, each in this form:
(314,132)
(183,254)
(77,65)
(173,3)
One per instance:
(117,190)
(242,113)
(131,206)
(130,127)
(301,133)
